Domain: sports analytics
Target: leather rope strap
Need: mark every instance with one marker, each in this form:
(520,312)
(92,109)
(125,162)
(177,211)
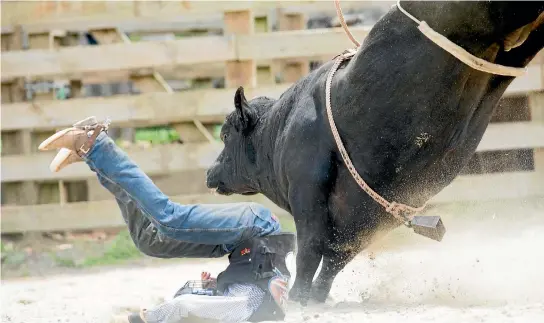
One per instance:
(460,53)
(87,145)
(343,23)
(402,212)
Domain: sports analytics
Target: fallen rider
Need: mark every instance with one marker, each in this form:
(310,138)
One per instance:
(254,285)
(252,288)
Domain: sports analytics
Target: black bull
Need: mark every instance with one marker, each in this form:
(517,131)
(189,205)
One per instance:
(409,113)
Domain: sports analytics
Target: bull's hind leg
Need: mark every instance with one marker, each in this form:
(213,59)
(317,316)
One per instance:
(343,245)
(340,249)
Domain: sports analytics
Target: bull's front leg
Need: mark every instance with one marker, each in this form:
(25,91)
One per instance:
(309,209)
(335,258)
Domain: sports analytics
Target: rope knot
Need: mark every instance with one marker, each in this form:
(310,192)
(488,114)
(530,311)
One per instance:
(392,207)
(401,212)
(347,54)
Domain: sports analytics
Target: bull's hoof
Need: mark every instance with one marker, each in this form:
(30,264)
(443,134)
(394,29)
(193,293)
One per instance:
(296,295)
(321,290)
(319,294)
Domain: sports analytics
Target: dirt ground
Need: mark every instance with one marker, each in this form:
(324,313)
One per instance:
(488,268)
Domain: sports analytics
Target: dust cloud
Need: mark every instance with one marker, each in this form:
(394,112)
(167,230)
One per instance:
(488,267)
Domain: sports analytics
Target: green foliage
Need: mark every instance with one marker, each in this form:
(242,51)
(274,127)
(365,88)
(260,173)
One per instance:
(157,135)
(13,258)
(217,131)
(122,248)
(165,135)
(191,33)
(287,224)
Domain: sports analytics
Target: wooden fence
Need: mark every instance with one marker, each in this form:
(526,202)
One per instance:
(41,41)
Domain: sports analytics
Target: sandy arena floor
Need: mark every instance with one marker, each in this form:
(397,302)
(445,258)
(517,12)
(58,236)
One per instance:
(488,269)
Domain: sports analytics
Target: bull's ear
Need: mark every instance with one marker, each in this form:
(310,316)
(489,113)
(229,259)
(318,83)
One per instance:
(246,114)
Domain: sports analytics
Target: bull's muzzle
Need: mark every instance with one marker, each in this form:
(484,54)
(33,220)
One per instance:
(212,180)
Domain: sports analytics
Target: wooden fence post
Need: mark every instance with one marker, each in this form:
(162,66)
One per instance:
(105,37)
(536,106)
(265,72)
(292,70)
(18,142)
(240,72)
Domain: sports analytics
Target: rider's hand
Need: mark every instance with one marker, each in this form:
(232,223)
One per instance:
(206,276)
(207,280)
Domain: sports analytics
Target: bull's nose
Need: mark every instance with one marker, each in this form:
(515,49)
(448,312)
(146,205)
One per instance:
(211,181)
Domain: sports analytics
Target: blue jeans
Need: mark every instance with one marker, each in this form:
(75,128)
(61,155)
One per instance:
(165,229)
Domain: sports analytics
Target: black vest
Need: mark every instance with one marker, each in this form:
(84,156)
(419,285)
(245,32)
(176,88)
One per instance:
(256,261)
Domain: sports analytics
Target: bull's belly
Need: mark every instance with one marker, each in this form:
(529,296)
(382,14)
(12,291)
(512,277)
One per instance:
(356,219)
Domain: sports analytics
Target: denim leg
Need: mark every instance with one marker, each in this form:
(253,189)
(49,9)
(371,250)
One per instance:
(145,235)
(209,224)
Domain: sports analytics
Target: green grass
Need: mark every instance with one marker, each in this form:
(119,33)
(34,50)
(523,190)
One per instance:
(10,256)
(64,262)
(121,249)
(13,258)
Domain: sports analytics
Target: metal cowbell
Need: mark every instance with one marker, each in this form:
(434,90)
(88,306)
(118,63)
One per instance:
(428,226)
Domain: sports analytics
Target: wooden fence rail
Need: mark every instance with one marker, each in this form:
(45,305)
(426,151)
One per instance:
(78,61)
(210,105)
(43,16)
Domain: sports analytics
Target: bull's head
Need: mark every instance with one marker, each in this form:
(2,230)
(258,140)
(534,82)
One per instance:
(236,169)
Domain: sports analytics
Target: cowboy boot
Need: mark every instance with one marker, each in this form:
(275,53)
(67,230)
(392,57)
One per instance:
(64,158)
(73,142)
(71,138)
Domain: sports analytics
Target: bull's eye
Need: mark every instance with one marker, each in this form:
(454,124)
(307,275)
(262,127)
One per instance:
(224,137)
